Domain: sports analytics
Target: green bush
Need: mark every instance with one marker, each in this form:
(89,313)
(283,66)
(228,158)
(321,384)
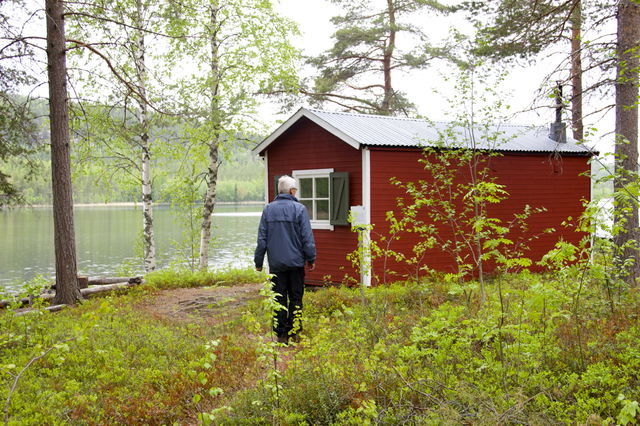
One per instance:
(122,366)
(543,349)
(410,356)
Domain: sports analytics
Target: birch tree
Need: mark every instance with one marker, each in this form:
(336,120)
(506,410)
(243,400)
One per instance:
(118,131)
(234,51)
(139,54)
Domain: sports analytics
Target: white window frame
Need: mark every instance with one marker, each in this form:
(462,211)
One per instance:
(316,173)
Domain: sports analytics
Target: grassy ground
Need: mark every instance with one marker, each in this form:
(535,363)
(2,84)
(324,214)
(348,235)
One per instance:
(542,350)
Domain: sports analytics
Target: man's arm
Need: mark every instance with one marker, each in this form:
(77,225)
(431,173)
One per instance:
(306,236)
(261,248)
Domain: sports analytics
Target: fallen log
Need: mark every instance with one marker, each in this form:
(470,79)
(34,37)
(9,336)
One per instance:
(53,308)
(25,301)
(103,288)
(22,302)
(114,280)
(86,292)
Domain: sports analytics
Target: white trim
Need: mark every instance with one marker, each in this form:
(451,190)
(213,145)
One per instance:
(321,224)
(302,112)
(266,178)
(365,276)
(366,183)
(329,128)
(308,173)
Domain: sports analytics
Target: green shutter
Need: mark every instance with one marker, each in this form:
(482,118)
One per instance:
(339,193)
(275,186)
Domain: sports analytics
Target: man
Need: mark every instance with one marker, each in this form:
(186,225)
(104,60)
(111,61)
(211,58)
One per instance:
(285,236)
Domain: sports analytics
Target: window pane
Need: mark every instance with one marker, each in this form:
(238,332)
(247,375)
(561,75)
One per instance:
(322,187)
(306,188)
(309,205)
(322,207)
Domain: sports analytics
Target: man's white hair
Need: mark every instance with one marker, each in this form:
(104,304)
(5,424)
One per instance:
(286,183)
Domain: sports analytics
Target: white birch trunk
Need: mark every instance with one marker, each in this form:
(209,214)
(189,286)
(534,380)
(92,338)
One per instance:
(148,245)
(209,205)
(212,172)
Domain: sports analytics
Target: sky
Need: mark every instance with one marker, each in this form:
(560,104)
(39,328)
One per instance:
(520,87)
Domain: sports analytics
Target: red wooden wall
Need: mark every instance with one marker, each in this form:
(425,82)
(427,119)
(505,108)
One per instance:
(535,179)
(306,145)
(540,180)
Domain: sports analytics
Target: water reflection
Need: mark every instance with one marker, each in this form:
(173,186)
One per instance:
(108,236)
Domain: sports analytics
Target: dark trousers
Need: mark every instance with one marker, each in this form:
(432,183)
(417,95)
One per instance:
(289,289)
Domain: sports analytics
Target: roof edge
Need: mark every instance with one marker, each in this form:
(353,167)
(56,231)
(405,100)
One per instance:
(317,117)
(303,112)
(586,153)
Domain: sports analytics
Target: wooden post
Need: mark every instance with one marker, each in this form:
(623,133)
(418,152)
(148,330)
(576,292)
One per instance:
(83,281)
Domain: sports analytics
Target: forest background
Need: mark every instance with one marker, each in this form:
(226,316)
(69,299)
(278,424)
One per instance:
(528,87)
(241,174)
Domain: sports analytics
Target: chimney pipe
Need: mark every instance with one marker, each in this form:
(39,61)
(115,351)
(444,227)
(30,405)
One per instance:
(558,129)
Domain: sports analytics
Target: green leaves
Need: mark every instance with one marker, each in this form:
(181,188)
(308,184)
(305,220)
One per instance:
(630,411)
(238,49)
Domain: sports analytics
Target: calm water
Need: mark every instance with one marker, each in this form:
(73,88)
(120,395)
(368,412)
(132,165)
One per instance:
(107,236)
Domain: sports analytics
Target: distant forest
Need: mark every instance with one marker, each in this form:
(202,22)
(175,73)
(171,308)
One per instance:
(240,176)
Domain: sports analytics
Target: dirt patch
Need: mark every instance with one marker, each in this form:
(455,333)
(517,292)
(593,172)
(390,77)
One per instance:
(215,304)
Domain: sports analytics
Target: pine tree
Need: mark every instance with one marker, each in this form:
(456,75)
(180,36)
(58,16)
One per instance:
(67,291)
(627,97)
(523,29)
(520,28)
(356,73)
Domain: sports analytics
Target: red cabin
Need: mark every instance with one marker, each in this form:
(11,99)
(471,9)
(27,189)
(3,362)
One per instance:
(343,160)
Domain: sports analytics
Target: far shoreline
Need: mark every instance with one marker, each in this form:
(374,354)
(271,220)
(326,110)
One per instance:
(128,204)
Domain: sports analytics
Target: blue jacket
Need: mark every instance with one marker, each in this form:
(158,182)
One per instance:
(285,235)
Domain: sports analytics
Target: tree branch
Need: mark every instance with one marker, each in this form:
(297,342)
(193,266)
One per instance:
(115,72)
(19,375)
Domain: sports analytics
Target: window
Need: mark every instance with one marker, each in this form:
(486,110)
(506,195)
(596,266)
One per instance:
(313,193)
(325,194)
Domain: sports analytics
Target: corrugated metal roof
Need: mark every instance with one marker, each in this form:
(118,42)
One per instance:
(384,131)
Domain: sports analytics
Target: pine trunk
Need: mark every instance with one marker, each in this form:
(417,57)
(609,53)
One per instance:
(386,60)
(148,244)
(626,149)
(67,291)
(576,72)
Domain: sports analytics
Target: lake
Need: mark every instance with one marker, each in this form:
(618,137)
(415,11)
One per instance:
(108,237)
